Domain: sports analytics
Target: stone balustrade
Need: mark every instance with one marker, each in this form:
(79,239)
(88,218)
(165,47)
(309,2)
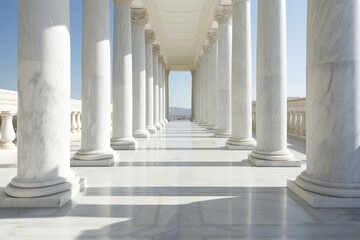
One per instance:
(296,117)
(8,114)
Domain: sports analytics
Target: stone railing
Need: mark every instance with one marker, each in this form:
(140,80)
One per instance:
(8,111)
(296,117)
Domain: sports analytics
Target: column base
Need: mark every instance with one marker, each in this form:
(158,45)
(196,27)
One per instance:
(152,129)
(240,144)
(221,133)
(162,123)
(158,126)
(166,121)
(51,201)
(141,133)
(322,201)
(9,145)
(100,158)
(124,143)
(211,128)
(274,159)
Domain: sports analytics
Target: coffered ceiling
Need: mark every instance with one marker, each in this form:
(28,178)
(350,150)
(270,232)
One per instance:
(180,27)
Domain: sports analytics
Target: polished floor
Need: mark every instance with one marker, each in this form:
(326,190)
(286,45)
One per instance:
(180,185)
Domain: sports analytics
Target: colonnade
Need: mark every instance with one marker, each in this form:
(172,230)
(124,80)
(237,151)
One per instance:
(332,176)
(221,91)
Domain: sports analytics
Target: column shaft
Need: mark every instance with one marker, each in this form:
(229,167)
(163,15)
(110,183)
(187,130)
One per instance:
(332,107)
(43,104)
(156,51)
(271,100)
(122,94)
(223,17)
(95,94)
(241,112)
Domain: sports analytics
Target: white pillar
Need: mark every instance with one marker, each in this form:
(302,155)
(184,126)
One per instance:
(193,95)
(224,18)
(95,93)
(150,38)
(241,112)
(139,18)
(122,94)
(156,53)
(7,130)
(332,175)
(213,79)
(167,74)
(43,107)
(161,91)
(200,70)
(206,51)
(271,97)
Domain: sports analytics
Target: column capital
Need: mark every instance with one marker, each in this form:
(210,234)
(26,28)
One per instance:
(223,14)
(149,36)
(123,1)
(139,16)
(212,36)
(156,49)
(193,72)
(206,48)
(161,60)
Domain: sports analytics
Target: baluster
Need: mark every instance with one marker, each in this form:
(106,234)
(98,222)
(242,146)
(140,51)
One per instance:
(7,130)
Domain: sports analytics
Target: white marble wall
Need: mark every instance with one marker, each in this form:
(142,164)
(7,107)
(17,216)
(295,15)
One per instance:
(44,101)
(95,93)
(333,55)
(122,78)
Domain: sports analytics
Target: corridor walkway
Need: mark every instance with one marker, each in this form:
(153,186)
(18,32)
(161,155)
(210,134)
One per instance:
(181,184)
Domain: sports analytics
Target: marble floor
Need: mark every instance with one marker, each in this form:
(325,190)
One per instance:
(183,185)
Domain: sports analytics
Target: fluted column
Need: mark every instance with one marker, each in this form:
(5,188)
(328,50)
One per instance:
(271,97)
(224,18)
(213,79)
(7,130)
(161,90)
(149,39)
(167,74)
(332,175)
(95,93)
(201,90)
(139,18)
(122,94)
(43,107)
(156,53)
(241,112)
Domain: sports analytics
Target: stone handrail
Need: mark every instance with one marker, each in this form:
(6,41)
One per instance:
(8,111)
(296,117)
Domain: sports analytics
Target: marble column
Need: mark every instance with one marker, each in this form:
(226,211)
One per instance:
(271,97)
(167,74)
(149,40)
(206,51)
(241,107)
(7,130)
(193,95)
(139,18)
(332,175)
(161,90)
(156,53)
(213,79)
(95,93)
(122,94)
(200,103)
(44,177)
(224,18)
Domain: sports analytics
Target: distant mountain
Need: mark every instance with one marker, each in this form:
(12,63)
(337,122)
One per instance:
(176,111)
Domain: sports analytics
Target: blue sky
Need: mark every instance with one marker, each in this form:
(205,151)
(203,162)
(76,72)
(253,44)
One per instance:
(180,82)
